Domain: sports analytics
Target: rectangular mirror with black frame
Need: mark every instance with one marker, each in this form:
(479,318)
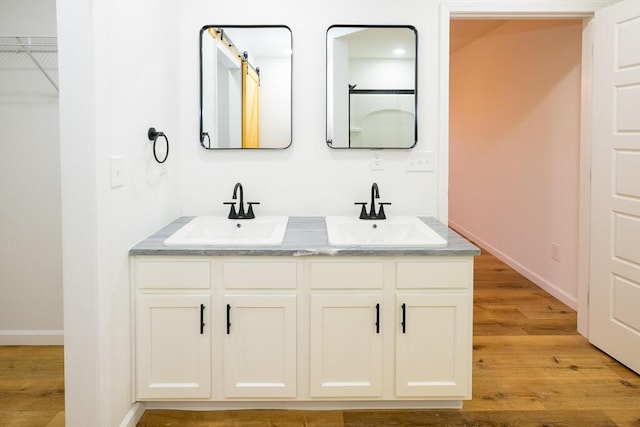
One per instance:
(371,86)
(245,86)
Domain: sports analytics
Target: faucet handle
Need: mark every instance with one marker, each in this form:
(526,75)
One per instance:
(381,214)
(250,214)
(363,211)
(232,212)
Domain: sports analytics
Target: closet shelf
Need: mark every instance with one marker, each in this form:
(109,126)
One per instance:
(41,50)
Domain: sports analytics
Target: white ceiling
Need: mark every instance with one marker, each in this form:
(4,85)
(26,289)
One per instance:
(381,42)
(261,41)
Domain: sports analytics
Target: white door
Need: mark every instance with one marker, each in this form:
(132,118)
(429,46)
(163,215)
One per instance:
(173,346)
(260,346)
(433,351)
(346,345)
(614,290)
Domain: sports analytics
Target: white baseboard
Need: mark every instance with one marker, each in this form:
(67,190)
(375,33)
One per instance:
(133,416)
(554,290)
(31,337)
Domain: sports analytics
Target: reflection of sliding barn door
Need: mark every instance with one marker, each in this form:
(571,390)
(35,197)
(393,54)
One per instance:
(250,107)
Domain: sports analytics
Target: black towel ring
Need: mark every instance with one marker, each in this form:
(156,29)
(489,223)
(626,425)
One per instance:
(153,136)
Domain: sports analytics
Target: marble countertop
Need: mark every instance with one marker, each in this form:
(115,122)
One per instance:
(304,236)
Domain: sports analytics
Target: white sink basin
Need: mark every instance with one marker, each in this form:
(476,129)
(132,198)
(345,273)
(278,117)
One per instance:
(217,230)
(393,231)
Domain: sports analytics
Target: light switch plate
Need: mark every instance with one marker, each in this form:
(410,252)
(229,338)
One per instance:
(421,161)
(117,171)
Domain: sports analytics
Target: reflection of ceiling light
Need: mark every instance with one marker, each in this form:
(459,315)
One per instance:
(399,51)
(287,51)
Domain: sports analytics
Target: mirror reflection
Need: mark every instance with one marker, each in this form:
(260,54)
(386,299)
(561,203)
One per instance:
(371,86)
(245,87)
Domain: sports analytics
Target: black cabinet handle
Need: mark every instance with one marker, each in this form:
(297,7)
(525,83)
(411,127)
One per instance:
(228,319)
(201,319)
(377,318)
(404,318)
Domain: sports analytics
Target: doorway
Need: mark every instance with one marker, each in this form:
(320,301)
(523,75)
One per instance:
(514,144)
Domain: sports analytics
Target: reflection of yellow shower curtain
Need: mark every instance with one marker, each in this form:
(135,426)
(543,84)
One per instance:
(250,107)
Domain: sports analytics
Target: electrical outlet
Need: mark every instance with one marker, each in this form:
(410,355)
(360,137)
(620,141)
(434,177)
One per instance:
(555,251)
(421,162)
(376,164)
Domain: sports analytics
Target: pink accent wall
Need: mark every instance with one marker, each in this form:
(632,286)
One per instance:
(514,148)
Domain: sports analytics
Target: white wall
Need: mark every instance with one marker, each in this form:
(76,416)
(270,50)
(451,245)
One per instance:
(30,216)
(118,77)
(308,178)
(514,147)
(121,71)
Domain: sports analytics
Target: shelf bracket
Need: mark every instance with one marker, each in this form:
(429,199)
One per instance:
(25,48)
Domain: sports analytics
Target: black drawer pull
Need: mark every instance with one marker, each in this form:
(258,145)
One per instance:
(201,319)
(404,318)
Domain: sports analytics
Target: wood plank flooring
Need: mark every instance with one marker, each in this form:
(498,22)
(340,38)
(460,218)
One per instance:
(31,386)
(530,368)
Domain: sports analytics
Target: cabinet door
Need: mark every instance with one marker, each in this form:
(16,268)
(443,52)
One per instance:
(346,345)
(173,346)
(433,345)
(260,346)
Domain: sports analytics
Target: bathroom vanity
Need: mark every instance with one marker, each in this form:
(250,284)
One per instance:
(302,323)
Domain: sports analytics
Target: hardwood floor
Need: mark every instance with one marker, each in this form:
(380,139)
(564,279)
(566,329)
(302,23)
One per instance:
(530,368)
(31,386)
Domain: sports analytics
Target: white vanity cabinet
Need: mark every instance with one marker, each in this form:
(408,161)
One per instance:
(260,346)
(346,345)
(303,328)
(259,328)
(173,350)
(434,302)
(431,339)
(421,308)
(345,337)
(172,330)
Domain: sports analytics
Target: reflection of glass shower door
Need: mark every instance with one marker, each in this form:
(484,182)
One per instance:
(381,118)
(250,107)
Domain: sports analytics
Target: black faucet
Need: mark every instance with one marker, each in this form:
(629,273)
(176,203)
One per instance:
(375,194)
(240,214)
